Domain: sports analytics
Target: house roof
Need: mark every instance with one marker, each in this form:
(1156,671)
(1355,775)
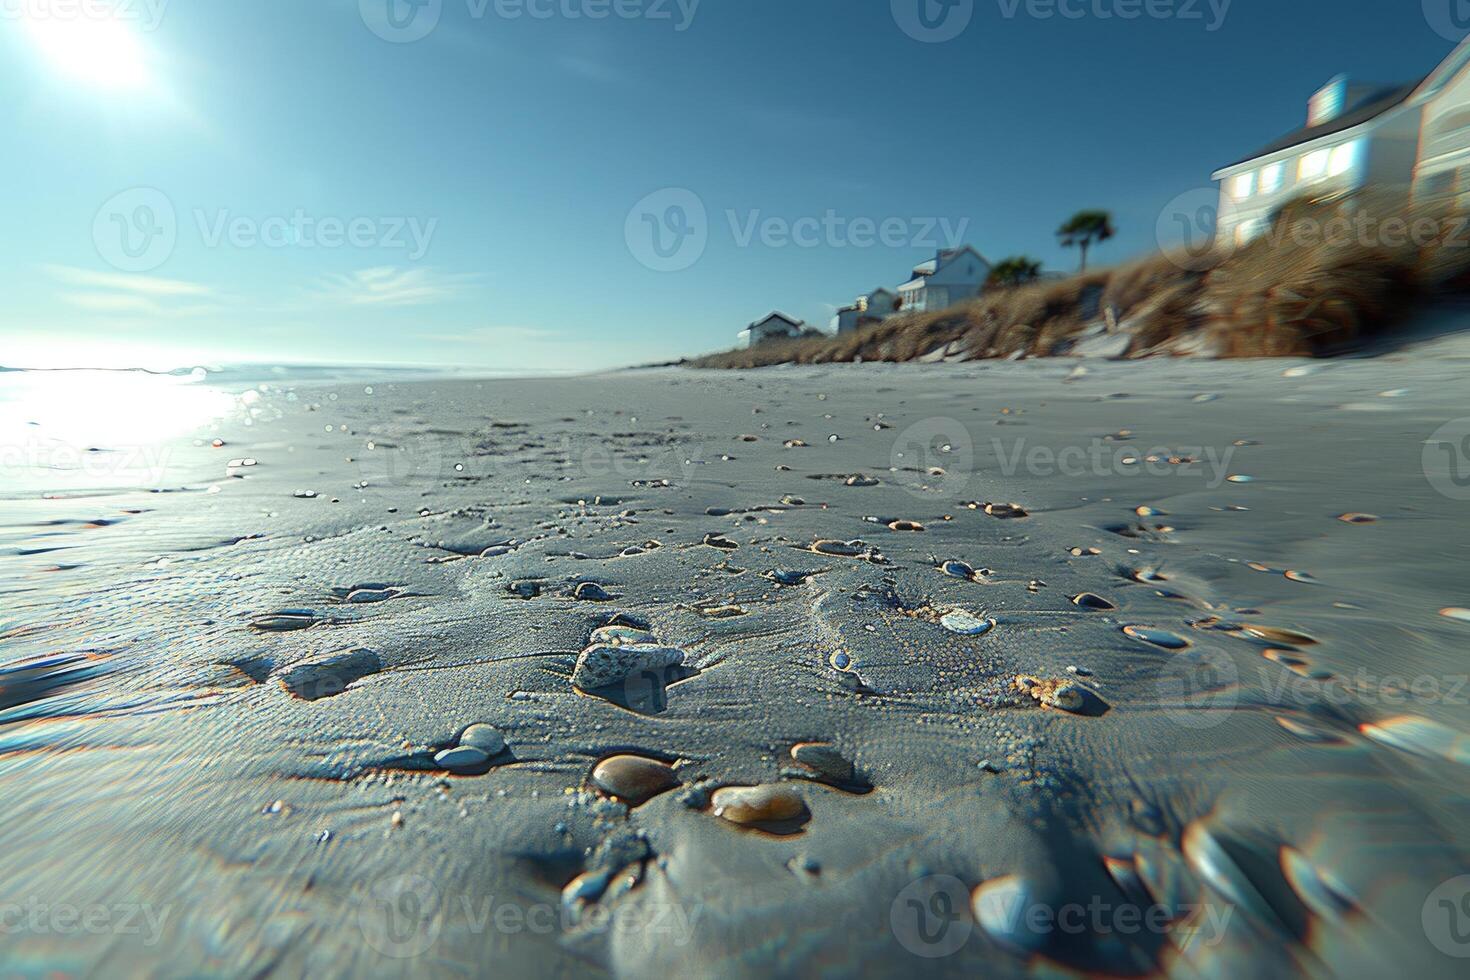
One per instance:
(775,315)
(881,289)
(1366,110)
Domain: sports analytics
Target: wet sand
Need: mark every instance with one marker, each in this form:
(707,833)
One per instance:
(1100,675)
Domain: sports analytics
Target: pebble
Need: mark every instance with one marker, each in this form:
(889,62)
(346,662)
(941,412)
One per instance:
(1275,634)
(483,737)
(1354,518)
(859,480)
(633,779)
(1089,600)
(524,589)
(1006,510)
(1158,637)
(603,664)
(757,804)
(591,592)
(461,759)
(965,623)
(371,595)
(905,526)
(823,759)
(785,577)
(957,569)
(1063,695)
(845,549)
(620,636)
(1456,612)
(1305,577)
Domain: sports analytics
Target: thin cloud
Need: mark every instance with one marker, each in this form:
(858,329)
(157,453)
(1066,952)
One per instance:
(493,335)
(392,286)
(123,282)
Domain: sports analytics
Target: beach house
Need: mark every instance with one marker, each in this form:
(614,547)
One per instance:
(878,305)
(772,326)
(953,275)
(1413,137)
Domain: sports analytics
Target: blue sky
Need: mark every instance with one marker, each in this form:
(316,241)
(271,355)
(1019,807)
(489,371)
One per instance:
(295,181)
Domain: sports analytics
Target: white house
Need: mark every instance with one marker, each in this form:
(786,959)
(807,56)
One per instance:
(1410,137)
(878,305)
(771,326)
(953,275)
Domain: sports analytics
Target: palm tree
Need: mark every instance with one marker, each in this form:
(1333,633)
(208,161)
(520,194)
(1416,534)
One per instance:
(1014,271)
(1085,228)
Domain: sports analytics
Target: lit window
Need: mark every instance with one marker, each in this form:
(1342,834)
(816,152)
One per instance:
(1272,178)
(1243,186)
(1314,165)
(1344,158)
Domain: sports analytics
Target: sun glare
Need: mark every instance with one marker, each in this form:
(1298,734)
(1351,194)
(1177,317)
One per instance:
(101,51)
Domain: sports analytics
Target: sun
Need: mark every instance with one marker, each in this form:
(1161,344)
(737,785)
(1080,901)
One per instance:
(103,52)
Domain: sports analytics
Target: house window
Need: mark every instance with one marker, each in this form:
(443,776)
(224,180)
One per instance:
(1272,178)
(1343,159)
(1314,165)
(1243,185)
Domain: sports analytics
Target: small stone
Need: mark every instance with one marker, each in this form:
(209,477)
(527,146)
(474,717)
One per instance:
(591,592)
(958,569)
(633,779)
(965,623)
(757,804)
(1456,612)
(602,664)
(620,636)
(1089,600)
(524,589)
(483,737)
(1006,511)
(845,549)
(823,759)
(1158,637)
(905,526)
(461,759)
(1357,518)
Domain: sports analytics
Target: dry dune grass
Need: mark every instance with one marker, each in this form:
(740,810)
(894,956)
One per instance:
(1327,275)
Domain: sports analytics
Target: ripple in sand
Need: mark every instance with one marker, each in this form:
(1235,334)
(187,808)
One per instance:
(1090,600)
(754,806)
(1157,637)
(633,779)
(965,623)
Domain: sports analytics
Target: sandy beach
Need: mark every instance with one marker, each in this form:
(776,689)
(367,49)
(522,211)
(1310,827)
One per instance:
(1041,666)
